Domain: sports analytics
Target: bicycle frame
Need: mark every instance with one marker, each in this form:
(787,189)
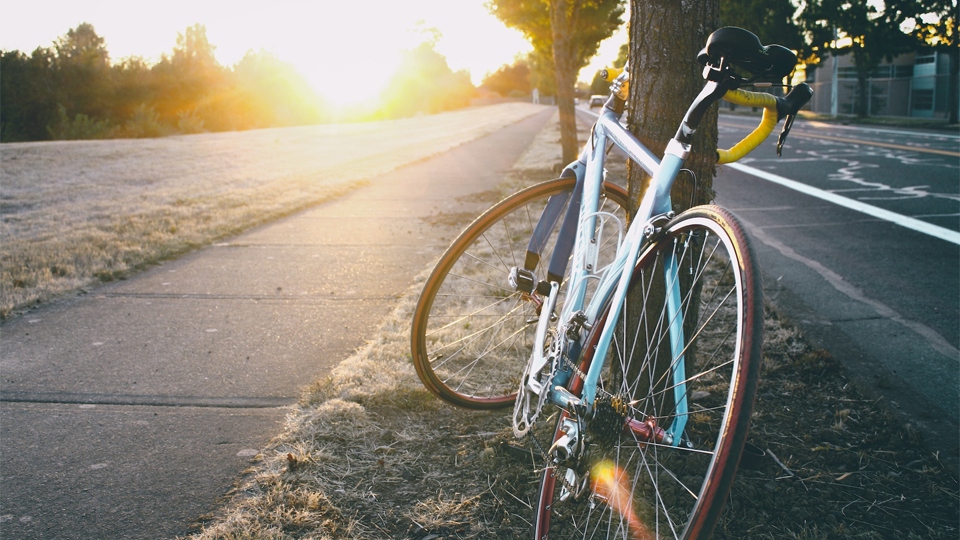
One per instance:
(616,278)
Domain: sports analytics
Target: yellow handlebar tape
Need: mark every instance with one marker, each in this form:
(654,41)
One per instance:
(609,74)
(767,123)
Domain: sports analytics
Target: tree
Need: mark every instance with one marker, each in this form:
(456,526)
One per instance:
(83,72)
(192,82)
(665,77)
(570,31)
(27,100)
(424,83)
(773,21)
(510,80)
(935,26)
(272,92)
(873,29)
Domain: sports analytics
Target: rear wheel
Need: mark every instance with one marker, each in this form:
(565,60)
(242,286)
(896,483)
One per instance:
(472,332)
(633,480)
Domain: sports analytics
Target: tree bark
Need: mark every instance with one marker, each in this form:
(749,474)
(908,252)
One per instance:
(665,77)
(562,19)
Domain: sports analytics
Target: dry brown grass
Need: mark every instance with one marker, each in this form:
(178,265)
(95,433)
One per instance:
(75,213)
(369,454)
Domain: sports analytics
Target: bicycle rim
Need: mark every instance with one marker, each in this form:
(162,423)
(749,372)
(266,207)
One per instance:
(638,488)
(472,333)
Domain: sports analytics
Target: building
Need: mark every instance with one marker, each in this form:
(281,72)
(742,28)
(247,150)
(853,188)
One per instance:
(914,85)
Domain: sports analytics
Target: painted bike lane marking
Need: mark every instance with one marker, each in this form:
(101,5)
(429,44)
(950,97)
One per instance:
(873,211)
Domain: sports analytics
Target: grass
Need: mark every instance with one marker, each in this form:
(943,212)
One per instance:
(76,213)
(369,454)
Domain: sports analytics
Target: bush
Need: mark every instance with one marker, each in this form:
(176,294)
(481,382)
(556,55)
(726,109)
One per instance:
(190,122)
(80,127)
(145,123)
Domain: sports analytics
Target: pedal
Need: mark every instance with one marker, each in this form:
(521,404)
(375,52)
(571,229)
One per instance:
(523,280)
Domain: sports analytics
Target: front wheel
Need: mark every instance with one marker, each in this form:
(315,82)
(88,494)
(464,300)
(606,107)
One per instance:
(473,333)
(672,408)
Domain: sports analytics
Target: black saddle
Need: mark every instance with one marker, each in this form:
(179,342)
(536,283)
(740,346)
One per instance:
(743,49)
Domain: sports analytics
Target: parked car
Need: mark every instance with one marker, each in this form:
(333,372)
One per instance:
(597,100)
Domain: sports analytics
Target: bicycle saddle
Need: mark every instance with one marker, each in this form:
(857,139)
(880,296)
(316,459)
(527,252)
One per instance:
(742,48)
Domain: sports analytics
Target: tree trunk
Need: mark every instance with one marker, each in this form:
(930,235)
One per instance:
(665,77)
(561,19)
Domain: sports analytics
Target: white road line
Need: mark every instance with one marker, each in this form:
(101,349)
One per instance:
(814,123)
(844,287)
(886,215)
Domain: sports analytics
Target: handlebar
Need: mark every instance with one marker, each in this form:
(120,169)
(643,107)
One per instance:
(774,109)
(726,49)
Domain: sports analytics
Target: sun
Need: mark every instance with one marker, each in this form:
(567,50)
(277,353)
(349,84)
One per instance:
(349,57)
(356,80)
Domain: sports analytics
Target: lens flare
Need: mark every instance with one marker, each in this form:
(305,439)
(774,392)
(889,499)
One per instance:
(610,483)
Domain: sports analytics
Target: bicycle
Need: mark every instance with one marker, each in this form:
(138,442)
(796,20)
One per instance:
(650,366)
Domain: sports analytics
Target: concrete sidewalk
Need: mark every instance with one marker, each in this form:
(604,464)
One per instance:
(127,412)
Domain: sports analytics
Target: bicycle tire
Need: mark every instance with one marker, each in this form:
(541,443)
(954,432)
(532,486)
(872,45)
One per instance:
(671,491)
(471,334)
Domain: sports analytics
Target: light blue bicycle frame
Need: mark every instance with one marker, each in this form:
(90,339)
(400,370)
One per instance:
(616,278)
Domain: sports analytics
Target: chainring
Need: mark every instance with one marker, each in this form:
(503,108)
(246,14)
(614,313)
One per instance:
(529,404)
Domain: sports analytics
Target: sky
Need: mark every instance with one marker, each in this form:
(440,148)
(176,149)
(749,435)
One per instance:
(331,42)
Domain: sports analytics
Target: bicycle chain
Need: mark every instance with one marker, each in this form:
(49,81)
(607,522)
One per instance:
(573,367)
(536,443)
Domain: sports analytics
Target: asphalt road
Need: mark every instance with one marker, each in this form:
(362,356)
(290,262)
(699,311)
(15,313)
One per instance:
(862,249)
(127,412)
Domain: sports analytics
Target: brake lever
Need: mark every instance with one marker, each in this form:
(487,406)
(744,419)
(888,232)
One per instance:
(787,124)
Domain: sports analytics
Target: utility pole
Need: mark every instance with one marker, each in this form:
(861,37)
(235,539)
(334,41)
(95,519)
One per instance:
(833,80)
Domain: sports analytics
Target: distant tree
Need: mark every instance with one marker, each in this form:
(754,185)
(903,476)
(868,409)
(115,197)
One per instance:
(73,90)
(599,86)
(773,21)
(543,75)
(134,85)
(83,78)
(270,92)
(191,79)
(873,29)
(27,101)
(570,30)
(934,25)
(511,79)
(424,83)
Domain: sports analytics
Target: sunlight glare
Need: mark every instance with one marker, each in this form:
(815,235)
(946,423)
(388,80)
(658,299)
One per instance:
(610,483)
(347,51)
